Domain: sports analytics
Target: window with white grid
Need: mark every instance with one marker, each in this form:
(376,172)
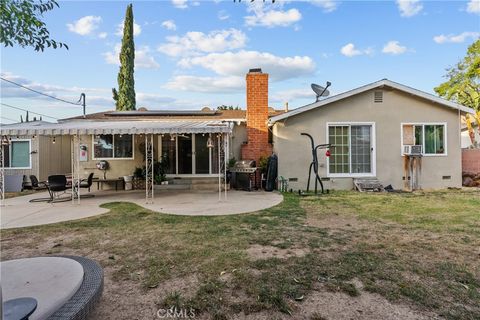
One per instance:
(351,151)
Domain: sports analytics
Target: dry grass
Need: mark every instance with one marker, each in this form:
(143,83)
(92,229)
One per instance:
(339,256)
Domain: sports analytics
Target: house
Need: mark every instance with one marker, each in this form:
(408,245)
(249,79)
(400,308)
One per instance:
(194,144)
(368,128)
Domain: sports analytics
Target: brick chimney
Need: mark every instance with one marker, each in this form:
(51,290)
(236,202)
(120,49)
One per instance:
(257,116)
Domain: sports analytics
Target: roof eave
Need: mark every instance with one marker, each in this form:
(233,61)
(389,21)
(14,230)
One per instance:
(377,84)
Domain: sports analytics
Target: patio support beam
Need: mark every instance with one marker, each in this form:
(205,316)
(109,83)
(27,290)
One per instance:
(75,168)
(225,159)
(149,174)
(4,141)
(219,169)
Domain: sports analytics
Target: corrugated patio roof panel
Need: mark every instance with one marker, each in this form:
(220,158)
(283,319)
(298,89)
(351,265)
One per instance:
(116,127)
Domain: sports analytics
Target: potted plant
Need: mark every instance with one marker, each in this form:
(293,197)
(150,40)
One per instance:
(231,162)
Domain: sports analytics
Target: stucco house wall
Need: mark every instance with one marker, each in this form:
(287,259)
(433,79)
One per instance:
(46,158)
(238,138)
(294,150)
(117,167)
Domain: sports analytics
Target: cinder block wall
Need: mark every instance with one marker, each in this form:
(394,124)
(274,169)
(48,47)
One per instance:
(471,160)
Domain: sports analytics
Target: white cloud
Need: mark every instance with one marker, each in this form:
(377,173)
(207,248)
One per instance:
(291,95)
(238,64)
(85,26)
(474,6)
(326,5)
(194,42)
(206,84)
(98,99)
(223,15)
(394,47)
(180,4)
(169,25)
(270,17)
(102,35)
(349,50)
(409,8)
(137,29)
(143,58)
(459,38)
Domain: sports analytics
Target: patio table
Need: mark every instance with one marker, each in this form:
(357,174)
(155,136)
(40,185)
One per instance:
(116,181)
(19,309)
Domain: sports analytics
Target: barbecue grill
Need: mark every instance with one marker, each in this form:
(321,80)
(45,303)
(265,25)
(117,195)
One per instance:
(244,175)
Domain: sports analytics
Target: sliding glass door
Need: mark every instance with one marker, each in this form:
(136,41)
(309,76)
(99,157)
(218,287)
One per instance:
(188,154)
(202,154)
(184,146)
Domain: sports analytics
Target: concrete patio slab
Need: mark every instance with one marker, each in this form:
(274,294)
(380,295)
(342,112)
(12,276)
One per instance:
(19,212)
(52,281)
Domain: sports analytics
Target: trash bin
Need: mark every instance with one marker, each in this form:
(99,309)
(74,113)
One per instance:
(128,182)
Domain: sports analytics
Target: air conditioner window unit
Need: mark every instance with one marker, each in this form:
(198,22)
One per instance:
(413,150)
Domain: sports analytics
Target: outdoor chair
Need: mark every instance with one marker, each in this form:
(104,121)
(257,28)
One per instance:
(57,185)
(36,185)
(86,184)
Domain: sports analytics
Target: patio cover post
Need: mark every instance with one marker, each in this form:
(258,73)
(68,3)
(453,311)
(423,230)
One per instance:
(219,169)
(149,174)
(226,156)
(75,167)
(2,172)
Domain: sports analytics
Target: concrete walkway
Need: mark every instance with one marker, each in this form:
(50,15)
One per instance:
(19,212)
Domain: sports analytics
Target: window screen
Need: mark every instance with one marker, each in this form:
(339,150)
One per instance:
(352,151)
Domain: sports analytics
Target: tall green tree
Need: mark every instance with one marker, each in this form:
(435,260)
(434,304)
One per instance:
(21,24)
(125,97)
(463,80)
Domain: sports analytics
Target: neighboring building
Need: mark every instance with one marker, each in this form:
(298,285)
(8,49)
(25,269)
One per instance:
(369,127)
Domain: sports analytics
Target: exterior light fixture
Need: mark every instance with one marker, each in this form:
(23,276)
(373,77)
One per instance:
(172,137)
(210,142)
(53,141)
(5,140)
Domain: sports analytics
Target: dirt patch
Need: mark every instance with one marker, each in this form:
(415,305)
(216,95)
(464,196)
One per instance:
(131,301)
(318,219)
(258,252)
(340,306)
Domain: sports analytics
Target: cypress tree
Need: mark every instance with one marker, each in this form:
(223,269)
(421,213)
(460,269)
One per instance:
(125,97)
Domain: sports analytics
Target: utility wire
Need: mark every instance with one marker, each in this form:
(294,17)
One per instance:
(41,93)
(9,119)
(22,109)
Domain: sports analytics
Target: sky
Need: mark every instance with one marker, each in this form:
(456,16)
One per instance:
(191,54)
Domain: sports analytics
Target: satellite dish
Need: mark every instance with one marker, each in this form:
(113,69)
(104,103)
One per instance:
(321,91)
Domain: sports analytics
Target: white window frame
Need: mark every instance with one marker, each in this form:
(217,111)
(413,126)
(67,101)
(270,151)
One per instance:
(113,158)
(423,124)
(29,155)
(373,146)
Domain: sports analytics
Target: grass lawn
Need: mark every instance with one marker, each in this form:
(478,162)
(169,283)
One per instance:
(344,255)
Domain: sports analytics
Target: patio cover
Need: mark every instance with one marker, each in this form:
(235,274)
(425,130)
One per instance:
(116,127)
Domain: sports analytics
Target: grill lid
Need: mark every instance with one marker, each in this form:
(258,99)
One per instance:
(242,164)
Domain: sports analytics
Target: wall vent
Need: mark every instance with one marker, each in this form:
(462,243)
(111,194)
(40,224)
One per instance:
(292,179)
(378,96)
(447,177)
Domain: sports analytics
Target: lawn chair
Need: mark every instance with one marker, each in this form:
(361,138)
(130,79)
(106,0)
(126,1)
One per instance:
(57,185)
(86,184)
(35,184)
